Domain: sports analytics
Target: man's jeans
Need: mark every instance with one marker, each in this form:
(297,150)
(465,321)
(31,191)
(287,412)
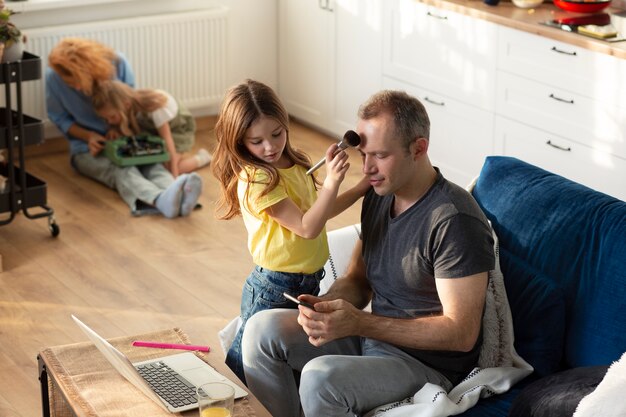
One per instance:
(342,378)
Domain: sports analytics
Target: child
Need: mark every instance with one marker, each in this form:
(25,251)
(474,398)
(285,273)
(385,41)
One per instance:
(132,111)
(76,65)
(263,179)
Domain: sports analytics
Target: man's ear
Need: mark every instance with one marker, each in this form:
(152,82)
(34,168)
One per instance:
(419,147)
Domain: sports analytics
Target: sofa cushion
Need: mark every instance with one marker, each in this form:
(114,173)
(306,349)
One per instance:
(538,309)
(557,395)
(574,236)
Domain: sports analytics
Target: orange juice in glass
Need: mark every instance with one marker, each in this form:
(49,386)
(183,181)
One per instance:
(216,399)
(215,412)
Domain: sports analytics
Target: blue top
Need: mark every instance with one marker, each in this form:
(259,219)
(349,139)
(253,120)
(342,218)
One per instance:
(67,105)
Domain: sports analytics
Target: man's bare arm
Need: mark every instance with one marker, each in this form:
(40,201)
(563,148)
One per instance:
(457,328)
(352,286)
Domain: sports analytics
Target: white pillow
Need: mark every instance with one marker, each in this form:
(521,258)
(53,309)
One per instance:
(607,400)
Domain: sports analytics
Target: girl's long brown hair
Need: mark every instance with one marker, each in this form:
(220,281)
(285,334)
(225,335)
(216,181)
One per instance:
(242,106)
(127,101)
(83,60)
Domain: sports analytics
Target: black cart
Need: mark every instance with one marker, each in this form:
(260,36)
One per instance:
(17,130)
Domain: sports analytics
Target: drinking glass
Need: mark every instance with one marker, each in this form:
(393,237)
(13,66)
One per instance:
(216,399)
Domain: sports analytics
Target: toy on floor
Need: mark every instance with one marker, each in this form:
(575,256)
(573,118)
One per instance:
(136,150)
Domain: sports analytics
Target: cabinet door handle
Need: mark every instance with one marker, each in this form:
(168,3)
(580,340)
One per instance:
(436,16)
(324,5)
(561,148)
(555,49)
(562,100)
(431,101)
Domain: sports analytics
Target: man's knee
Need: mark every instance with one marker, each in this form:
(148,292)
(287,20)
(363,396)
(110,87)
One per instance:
(266,327)
(321,384)
(319,372)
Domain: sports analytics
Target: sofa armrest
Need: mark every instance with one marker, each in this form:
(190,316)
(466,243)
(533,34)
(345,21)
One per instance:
(340,244)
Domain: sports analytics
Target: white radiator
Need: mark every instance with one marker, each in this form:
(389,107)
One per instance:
(181,53)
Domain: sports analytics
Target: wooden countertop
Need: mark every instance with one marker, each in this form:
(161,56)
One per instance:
(528,20)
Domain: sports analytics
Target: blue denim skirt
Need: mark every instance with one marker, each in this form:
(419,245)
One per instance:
(264,289)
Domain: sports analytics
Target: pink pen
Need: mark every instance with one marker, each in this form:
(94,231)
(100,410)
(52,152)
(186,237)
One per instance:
(160,345)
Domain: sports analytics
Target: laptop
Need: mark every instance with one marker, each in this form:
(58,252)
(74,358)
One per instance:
(156,378)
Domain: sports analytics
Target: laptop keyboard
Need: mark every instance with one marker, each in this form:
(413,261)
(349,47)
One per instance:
(168,384)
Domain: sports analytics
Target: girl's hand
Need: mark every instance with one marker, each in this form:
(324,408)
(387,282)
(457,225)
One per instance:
(95,143)
(172,164)
(113,134)
(336,165)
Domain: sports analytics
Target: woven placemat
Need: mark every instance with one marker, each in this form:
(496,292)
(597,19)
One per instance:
(81,381)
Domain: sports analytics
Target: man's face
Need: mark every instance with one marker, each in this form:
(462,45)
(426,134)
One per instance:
(385,159)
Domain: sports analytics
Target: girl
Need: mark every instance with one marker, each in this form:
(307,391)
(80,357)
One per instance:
(263,179)
(76,65)
(132,111)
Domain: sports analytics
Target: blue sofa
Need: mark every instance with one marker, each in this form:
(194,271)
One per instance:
(563,257)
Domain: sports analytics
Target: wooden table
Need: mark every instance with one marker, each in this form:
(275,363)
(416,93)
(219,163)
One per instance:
(76,380)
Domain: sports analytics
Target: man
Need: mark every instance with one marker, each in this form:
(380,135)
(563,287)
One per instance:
(422,260)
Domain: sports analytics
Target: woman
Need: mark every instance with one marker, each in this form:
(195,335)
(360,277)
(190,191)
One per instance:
(76,66)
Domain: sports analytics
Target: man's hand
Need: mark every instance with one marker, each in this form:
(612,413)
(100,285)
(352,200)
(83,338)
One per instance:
(331,320)
(95,143)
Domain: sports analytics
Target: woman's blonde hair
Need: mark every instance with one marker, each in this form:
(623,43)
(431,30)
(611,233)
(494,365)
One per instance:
(242,106)
(83,60)
(127,101)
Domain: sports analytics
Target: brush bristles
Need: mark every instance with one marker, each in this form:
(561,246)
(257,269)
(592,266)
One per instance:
(352,138)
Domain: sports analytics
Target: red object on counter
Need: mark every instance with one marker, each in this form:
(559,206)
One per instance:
(599,19)
(582,6)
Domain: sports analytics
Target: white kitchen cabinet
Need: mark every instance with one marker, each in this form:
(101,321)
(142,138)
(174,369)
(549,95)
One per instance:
(562,65)
(596,123)
(329,59)
(570,102)
(584,164)
(461,136)
(444,51)
(448,61)
(306,32)
(358,59)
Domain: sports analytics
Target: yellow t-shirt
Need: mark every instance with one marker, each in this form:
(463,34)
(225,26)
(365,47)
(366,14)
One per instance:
(271,245)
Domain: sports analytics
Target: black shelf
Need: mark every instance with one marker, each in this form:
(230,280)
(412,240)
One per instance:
(17,130)
(34,195)
(30,66)
(33,129)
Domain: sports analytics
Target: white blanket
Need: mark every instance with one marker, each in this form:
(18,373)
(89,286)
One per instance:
(499,366)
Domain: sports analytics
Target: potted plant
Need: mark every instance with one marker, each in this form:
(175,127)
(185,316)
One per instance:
(11,38)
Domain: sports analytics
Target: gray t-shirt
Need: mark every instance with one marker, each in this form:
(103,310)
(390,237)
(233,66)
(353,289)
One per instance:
(443,235)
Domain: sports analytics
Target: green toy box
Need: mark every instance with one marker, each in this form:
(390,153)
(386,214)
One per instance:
(136,150)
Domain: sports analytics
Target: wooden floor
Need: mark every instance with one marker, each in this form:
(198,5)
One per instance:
(120,274)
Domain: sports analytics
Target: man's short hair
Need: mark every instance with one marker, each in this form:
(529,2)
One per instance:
(408,113)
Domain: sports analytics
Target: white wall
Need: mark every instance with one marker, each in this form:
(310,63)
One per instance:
(252,49)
